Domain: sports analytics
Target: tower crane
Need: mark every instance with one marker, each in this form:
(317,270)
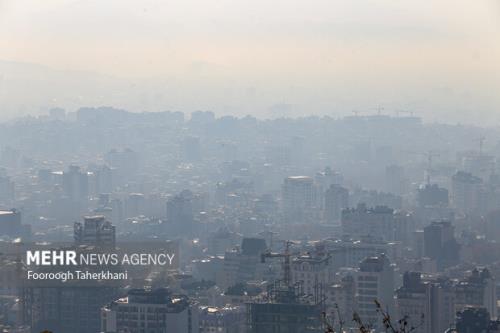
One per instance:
(430,158)
(286,264)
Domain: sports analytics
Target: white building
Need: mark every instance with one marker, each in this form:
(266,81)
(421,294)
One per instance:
(299,198)
(375,222)
(375,281)
(314,273)
(341,298)
(349,253)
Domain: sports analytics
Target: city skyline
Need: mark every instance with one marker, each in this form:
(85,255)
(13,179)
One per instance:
(249,166)
(437,60)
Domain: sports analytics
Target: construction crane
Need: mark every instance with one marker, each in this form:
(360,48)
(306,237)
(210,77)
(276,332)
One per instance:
(286,264)
(430,158)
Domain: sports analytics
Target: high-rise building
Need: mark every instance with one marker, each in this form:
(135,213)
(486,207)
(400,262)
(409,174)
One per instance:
(404,225)
(180,212)
(68,309)
(117,214)
(440,243)
(349,252)
(7,190)
(427,305)
(477,290)
(341,298)
(375,282)
(313,272)
(95,230)
(481,165)
(222,320)
(375,222)
(103,179)
(336,200)
(135,205)
(10,223)
(151,311)
(75,184)
(279,156)
(299,198)
(395,181)
(465,192)
(284,311)
(472,320)
(432,196)
(191,149)
(242,265)
(413,302)
(323,180)
(442,304)
(125,164)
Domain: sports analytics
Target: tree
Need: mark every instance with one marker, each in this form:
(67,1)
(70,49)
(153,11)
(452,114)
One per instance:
(401,326)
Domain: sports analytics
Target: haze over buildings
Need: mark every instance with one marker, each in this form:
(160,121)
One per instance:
(288,58)
(345,166)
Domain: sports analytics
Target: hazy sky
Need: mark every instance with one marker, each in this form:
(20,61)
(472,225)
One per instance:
(439,58)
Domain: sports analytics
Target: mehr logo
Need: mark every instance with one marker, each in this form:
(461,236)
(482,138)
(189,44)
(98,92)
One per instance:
(64,257)
(46,258)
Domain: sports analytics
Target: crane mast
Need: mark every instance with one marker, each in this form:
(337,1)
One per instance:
(286,263)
